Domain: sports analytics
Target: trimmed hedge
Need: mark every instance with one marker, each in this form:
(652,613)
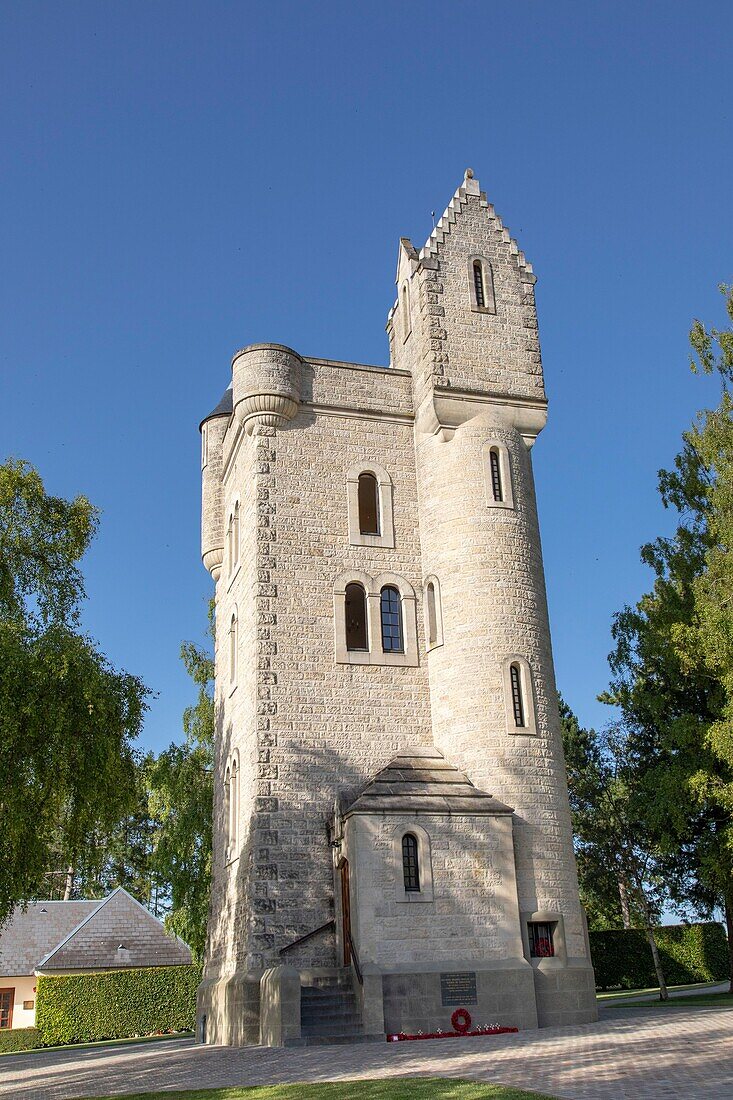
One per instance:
(689,953)
(118,1004)
(20,1038)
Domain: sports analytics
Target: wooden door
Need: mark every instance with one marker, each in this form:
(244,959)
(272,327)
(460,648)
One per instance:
(346,911)
(7,996)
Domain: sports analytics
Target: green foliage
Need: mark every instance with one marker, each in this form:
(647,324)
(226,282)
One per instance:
(689,953)
(616,856)
(673,659)
(68,720)
(393,1088)
(20,1038)
(41,540)
(81,1008)
(181,799)
(67,724)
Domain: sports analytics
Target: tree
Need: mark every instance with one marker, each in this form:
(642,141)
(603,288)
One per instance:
(673,659)
(181,799)
(119,856)
(68,720)
(617,858)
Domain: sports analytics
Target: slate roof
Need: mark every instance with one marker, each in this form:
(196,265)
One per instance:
(420,780)
(116,932)
(224,408)
(32,933)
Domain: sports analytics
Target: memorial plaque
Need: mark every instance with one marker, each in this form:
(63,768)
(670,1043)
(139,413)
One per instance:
(458,988)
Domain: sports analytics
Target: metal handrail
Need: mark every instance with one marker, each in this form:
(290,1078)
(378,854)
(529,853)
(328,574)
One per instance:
(354,957)
(301,939)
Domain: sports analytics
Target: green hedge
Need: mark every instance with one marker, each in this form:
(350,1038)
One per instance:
(20,1038)
(81,1008)
(690,953)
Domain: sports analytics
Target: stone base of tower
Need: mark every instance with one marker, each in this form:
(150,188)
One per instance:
(228,1009)
(565,995)
(415,1001)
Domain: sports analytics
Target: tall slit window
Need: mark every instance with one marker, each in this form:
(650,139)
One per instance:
(228,809)
(235,534)
(410,865)
(390,607)
(233,807)
(517,696)
(356,617)
(432,615)
(368,505)
(496,485)
(478,282)
(233,649)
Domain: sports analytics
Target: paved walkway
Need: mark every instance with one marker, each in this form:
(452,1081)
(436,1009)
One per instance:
(678,1054)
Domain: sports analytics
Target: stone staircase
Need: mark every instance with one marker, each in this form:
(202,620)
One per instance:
(329,1012)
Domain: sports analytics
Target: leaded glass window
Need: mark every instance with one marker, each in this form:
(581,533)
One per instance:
(410,866)
(391,614)
(517,698)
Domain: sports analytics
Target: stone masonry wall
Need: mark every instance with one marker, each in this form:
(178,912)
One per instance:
(473,914)
(331,726)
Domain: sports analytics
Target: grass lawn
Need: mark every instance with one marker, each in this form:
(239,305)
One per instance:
(101,1043)
(621,993)
(396,1088)
(697,1000)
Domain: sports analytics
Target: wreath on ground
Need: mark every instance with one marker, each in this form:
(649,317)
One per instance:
(461,1020)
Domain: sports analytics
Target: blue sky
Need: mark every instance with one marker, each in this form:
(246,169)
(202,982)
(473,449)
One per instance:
(181,179)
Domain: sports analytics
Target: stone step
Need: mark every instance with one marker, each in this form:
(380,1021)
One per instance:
(325,1040)
(325,1000)
(331,1027)
(334,1020)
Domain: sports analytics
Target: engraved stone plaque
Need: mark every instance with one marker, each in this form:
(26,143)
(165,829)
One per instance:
(458,988)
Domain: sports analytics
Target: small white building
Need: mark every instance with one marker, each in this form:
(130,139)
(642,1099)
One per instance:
(73,937)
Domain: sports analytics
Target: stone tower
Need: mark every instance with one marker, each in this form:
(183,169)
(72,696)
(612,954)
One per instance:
(391,814)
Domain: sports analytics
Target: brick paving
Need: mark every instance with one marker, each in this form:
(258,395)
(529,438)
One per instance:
(680,1054)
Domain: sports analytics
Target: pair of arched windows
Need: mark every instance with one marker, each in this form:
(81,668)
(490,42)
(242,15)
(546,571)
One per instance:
(356,619)
(233,538)
(231,808)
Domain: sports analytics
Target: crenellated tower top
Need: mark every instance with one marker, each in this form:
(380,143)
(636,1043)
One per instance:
(464,322)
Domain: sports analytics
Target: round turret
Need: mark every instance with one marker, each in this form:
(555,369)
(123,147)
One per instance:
(266,385)
(213,430)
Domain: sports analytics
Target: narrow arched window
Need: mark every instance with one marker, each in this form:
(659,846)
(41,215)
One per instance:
(478,282)
(406,323)
(233,806)
(356,617)
(390,606)
(230,550)
(410,865)
(496,485)
(432,615)
(228,809)
(368,505)
(235,534)
(233,648)
(517,696)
